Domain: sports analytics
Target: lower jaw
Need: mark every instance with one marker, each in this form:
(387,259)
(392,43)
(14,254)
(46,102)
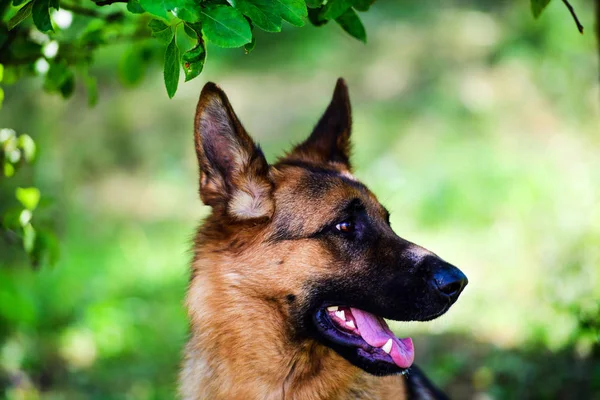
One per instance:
(365,361)
(354,348)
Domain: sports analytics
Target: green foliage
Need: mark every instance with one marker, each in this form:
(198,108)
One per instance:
(1,90)
(537,6)
(23,13)
(171,71)
(15,150)
(225,24)
(60,78)
(352,24)
(37,240)
(41,15)
(161,31)
(260,13)
(193,60)
(335,8)
(28,197)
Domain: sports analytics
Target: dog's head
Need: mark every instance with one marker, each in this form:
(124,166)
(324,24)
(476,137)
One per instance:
(306,236)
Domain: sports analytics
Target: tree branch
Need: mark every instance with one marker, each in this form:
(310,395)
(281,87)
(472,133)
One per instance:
(81,10)
(572,11)
(77,9)
(108,2)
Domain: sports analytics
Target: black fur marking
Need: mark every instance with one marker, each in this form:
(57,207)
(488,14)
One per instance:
(315,185)
(290,298)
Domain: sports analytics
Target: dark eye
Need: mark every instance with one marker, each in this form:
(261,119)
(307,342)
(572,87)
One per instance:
(345,227)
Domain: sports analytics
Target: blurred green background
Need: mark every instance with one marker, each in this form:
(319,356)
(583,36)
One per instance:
(477,126)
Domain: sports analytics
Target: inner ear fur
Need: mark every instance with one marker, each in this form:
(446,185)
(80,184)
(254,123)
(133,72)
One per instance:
(234,173)
(329,142)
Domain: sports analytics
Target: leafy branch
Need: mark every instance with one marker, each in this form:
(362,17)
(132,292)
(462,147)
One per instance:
(225,23)
(538,6)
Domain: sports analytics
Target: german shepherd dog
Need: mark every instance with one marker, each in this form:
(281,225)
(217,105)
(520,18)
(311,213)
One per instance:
(295,269)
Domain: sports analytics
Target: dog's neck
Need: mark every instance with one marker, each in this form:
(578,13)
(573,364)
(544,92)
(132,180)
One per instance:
(239,349)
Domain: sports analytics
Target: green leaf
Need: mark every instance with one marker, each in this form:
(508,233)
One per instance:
(262,13)
(161,31)
(9,169)
(171,71)
(23,13)
(54,4)
(335,8)
(28,197)
(41,15)
(160,8)
(225,26)
(132,66)
(26,143)
(134,7)
(191,31)
(267,14)
(351,23)
(187,10)
(193,60)
(17,3)
(1,97)
(293,11)
(314,3)
(537,6)
(315,16)
(1,72)
(363,5)
(250,46)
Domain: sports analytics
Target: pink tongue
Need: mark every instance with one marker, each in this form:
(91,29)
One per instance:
(375,331)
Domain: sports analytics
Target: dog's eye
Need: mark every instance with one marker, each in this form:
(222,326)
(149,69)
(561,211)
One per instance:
(345,227)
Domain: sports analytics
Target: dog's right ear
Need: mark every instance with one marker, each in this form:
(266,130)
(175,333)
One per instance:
(234,174)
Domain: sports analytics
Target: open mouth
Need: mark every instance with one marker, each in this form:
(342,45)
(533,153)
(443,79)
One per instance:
(364,339)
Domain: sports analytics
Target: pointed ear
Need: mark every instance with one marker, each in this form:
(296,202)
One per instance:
(330,140)
(234,174)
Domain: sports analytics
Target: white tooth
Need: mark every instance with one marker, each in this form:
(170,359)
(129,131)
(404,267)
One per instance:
(387,347)
(332,308)
(350,324)
(340,314)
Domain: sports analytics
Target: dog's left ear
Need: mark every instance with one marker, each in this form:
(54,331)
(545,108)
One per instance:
(330,140)
(234,174)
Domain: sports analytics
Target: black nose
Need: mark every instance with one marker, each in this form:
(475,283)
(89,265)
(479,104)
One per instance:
(448,280)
